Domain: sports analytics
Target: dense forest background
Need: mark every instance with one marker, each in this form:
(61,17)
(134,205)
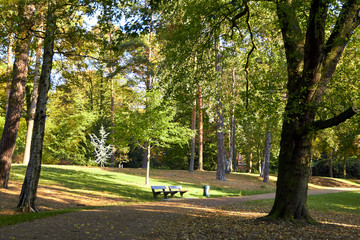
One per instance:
(161,74)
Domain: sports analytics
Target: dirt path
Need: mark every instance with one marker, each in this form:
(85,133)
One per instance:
(140,221)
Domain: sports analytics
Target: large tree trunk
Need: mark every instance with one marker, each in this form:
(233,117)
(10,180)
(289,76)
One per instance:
(31,110)
(28,192)
(201,129)
(193,127)
(267,157)
(311,64)
(16,96)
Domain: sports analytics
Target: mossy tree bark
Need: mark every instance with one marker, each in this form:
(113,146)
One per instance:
(311,63)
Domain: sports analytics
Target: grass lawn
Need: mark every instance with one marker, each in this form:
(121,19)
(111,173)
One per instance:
(129,184)
(72,188)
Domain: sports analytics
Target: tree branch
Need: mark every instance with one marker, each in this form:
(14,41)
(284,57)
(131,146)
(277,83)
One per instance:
(344,28)
(323,124)
(249,54)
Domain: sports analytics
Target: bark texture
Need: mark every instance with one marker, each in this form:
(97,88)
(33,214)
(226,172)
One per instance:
(8,69)
(220,135)
(311,63)
(232,155)
(193,127)
(201,129)
(267,157)
(28,192)
(31,110)
(17,92)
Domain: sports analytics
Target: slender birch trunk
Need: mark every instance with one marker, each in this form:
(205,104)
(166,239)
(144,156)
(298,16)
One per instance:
(34,96)
(29,188)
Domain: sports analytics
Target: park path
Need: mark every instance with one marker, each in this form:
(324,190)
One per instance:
(133,221)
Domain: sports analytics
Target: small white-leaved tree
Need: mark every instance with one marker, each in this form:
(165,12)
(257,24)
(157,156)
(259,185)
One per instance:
(102,151)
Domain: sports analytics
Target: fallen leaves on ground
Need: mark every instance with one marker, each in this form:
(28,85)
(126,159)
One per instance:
(243,221)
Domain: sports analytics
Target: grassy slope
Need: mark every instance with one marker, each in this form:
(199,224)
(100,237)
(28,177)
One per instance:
(128,185)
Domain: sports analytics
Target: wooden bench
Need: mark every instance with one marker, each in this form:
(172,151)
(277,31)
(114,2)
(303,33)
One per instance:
(175,189)
(162,189)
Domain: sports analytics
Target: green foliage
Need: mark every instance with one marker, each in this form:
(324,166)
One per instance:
(154,126)
(320,167)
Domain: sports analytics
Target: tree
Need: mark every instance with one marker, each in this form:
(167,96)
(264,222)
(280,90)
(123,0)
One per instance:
(311,63)
(29,188)
(31,110)
(17,92)
(102,151)
(153,127)
(313,39)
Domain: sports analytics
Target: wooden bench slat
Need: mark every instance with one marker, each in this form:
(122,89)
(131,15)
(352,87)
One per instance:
(172,191)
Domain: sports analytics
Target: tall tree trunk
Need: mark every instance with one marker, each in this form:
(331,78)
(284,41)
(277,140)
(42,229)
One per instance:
(16,96)
(113,150)
(147,179)
(331,161)
(31,110)
(8,70)
(311,63)
(193,127)
(232,156)
(148,82)
(29,188)
(250,161)
(220,135)
(145,157)
(267,156)
(201,129)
